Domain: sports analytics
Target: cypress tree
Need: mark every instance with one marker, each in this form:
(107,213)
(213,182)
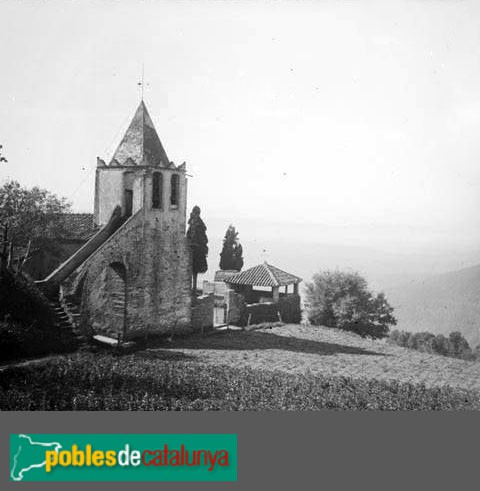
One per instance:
(231,256)
(197,238)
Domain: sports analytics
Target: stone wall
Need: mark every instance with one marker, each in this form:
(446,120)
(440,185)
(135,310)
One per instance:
(287,310)
(157,295)
(108,192)
(202,312)
(224,296)
(112,181)
(216,288)
(235,307)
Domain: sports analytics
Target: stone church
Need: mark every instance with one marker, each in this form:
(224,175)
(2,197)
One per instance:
(133,275)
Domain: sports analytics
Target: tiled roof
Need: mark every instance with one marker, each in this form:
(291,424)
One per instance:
(263,275)
(141,144)
(223,274)
(78,226)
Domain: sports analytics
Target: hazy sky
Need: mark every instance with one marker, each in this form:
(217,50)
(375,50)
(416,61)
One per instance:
(355,121)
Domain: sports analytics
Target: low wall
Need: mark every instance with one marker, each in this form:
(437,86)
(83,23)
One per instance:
(216,288)
(287,310)
(236,307)
(202,312)
(223,296)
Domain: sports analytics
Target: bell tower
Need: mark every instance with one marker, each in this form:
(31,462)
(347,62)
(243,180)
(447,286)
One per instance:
(139,278)
(140,175)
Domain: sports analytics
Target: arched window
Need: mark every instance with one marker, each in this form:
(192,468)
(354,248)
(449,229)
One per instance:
(157,190)
(174,190)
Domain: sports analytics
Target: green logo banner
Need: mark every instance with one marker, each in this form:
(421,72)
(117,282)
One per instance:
(127,457)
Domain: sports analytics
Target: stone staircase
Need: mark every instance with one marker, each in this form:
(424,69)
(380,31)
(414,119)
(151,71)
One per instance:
(66,316)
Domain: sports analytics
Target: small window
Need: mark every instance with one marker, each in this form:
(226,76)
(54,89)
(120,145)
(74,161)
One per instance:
(174,190)
(128,202)
(157,190)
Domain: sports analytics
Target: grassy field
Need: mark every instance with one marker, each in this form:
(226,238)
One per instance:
(142,382)
(301,349)
(288,367)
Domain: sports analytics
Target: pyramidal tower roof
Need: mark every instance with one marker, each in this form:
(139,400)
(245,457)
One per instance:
(141,144)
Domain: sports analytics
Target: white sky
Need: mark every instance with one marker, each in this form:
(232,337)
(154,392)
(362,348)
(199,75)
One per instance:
(358,119)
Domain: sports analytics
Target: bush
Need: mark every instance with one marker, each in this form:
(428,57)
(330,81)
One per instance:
(17,341)
(22,301)
(290,310)
(26,323)
(455,346)
(343,300)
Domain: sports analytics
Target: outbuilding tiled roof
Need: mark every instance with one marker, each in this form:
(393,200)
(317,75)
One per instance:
(263,275)
(223,274)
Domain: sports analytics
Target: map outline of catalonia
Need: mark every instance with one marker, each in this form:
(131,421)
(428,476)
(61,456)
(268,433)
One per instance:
(20,474)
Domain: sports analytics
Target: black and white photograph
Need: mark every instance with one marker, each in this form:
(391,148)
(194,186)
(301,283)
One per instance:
(239,206)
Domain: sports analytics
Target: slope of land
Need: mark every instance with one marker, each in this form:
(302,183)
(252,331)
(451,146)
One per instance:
(319,350)
(290,367)
(440,304)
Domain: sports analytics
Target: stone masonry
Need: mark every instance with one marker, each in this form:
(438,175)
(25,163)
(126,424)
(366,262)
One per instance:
(137,281)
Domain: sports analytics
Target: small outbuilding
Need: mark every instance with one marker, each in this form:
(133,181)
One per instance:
(263,283)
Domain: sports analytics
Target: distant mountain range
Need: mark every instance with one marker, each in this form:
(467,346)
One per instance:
(436,291)
(440,304)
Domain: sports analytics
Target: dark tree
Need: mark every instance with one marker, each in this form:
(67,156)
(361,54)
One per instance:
(455,345)
(231,257)
(343,300)
(197,238)
(458,346)
(28,216)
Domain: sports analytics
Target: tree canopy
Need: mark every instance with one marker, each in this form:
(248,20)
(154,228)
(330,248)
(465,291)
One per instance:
(455,345)
(231,257)
(198,241)
(343,300)
(29,215)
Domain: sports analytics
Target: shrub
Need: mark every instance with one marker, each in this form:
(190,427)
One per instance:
(26,323)
(22,301)
(455,346)
(290,310)
(17,341)
(343,300)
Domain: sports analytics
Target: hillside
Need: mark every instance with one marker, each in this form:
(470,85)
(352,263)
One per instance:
(440,304)
(27,325)
(289,367)
(303,250)
(299,349)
